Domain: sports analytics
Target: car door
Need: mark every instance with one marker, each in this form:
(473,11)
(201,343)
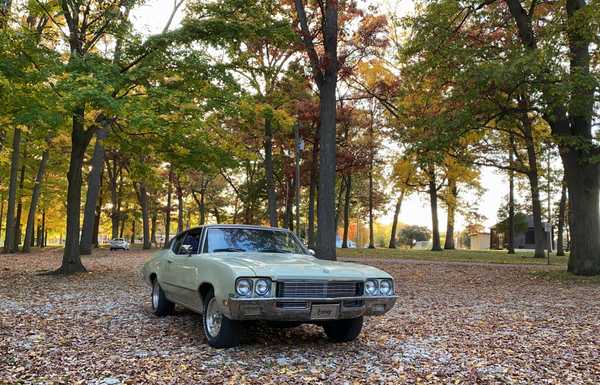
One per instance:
(168,276)
(183,270)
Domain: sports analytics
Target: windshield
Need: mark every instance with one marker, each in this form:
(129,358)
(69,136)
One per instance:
(252,240)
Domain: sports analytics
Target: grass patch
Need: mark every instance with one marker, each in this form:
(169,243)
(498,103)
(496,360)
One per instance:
(564,276)
(478,256)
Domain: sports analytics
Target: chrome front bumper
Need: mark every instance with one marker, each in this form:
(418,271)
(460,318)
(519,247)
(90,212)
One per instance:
(300,309)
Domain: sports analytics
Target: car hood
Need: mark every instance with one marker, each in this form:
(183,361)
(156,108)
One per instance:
(280,266)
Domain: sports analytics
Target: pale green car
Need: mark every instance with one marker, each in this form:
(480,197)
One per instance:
(235,273)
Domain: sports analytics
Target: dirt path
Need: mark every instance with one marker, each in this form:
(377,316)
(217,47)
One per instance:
(454,323)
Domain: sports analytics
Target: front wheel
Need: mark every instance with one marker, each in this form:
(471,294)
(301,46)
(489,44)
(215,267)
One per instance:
(343,330)
(161,306)
(220,331)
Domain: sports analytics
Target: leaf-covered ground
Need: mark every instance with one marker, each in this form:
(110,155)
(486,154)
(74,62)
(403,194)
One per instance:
(453,323)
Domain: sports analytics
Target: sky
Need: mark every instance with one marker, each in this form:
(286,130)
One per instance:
(153,16)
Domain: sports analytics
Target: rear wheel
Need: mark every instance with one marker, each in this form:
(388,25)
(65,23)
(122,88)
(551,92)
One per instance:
(343,330)
(220,331)
(161,306)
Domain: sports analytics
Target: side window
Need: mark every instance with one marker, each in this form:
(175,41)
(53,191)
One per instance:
(190,241)
(177,242)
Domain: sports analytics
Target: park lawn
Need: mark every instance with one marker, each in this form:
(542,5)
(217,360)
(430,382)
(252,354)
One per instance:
(478,256)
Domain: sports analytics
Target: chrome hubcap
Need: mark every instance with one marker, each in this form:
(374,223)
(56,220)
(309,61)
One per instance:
(155,293)
(213,318)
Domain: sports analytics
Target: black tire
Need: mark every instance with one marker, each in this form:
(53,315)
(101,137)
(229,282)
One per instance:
(228,335)
(161,306)
(112,249)
(343,330)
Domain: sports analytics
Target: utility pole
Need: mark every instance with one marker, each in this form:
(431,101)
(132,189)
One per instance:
(299,148)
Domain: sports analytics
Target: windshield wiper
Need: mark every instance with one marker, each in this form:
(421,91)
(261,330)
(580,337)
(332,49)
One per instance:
(232,249)
(275,250)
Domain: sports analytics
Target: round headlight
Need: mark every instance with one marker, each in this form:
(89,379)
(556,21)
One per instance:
(371,287)
(243,287)
(385,287)
(262,286)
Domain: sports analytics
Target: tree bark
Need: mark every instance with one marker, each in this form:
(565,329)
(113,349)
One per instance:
(9,240)
(44,236)
(327,158)
(153,227)
(393,238)
(436,245)
(511,201)
(268,164)
(115,172)
(93,192)
(18,230)
(562,207)
(168,209)
(532,174)
(347,199)
(452,199)
(1,211)
(179,192)
(325,75)
(80,138)
(312,191)
(338,201)
(572,128)
(132,230)
(371,218)
(142,195)
(35,196)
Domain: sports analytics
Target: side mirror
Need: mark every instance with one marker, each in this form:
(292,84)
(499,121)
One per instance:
(311,252)
(187,249)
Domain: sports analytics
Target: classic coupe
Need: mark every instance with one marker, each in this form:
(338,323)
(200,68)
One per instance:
(236,273)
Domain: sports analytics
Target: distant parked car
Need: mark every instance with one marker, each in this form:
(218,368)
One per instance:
(118,244)
(234,273)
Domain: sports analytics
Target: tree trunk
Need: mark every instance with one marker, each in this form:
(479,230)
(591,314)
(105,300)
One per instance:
(371,219)
(201,206)
(93,192)
(168,209)
(35,196)
(583,186)
(115,172)
(338,201)
(42,242)
(451,203)
(268,164)
(347,198)
(392,244)
(179,192)
(436,245)
(289,204)
(153,227)
(80,138)
(327,158)
(562,207)
(95,234)
(18,230)
(511,201)
(142,195)
(540,238)
(123,220)
(1,211)
(312,191)
(9,240)
(132,230)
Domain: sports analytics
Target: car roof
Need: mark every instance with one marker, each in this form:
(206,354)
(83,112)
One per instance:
(236,226)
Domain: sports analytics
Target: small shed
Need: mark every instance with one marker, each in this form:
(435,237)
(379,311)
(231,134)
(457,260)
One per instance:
(480,241)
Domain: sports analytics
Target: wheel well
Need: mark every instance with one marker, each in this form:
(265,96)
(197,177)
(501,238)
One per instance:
(152,277)
(204,289)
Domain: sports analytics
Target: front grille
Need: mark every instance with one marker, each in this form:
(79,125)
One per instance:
(319,289)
